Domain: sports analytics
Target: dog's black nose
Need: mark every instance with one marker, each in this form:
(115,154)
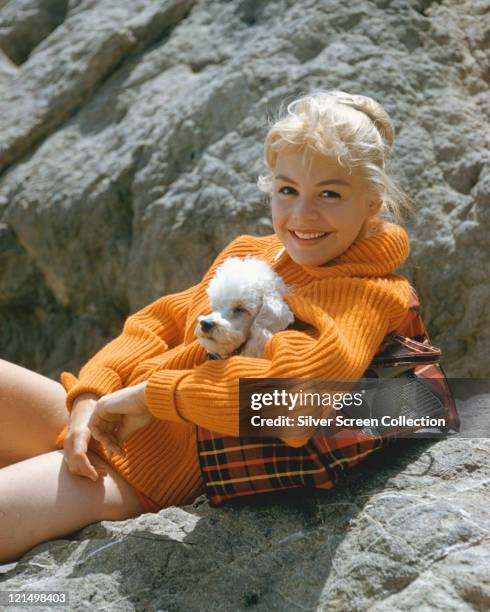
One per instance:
(206,325)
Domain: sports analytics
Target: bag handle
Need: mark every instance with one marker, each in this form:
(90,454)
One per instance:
(403,351)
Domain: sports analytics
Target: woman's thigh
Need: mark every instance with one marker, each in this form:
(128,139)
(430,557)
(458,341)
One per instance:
(40,500)
(32,413)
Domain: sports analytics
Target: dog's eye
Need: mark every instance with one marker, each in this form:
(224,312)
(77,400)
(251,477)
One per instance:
(239,309)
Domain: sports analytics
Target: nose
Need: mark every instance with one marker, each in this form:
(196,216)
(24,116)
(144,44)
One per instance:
(305,209)
(206,325)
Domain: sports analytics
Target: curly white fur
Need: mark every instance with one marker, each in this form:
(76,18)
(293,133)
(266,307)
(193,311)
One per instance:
(246,296)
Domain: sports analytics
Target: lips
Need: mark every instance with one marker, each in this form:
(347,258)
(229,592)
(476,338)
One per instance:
(308,241)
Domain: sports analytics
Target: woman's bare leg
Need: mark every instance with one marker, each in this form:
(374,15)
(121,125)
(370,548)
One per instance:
(32,413)
(40,500)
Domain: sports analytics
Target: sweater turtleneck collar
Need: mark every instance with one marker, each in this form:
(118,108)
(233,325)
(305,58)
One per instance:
(375,255)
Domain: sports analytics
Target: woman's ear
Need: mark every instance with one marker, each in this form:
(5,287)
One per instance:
(374,207)
(372,223)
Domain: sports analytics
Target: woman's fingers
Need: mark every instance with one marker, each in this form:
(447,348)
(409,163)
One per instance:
(104,431)
(118,415)
(76,458)
(109,442)
(112,444)
(78,463)
(85,467)
(104,428)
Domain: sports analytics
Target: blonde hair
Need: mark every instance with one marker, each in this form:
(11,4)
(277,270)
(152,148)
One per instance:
(354,129)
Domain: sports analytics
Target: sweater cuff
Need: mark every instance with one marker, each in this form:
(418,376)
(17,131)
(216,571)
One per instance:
(100,381)
(160,394)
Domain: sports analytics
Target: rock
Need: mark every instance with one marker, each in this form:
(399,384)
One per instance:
(132,139)
(132,136)
(407,530)
(25,23)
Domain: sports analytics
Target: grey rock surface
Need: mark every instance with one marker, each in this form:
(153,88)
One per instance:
(132,139)
(132,136)
(409,530)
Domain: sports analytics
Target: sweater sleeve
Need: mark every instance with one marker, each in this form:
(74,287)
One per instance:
(151,331)
(343,343)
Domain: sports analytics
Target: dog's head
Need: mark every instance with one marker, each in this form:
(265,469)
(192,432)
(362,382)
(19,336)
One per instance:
(246,296)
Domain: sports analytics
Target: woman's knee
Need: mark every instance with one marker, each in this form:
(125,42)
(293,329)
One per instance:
(28,389)
(32,413)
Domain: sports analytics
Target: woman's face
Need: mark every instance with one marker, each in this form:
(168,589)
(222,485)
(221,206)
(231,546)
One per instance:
(327,201)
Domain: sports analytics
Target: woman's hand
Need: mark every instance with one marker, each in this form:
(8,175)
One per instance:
(78,437)
(119,414)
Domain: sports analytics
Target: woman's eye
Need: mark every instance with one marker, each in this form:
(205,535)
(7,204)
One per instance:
(334,193)
(291,190)
(239,309)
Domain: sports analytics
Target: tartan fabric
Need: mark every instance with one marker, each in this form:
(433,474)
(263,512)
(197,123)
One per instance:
(238,466)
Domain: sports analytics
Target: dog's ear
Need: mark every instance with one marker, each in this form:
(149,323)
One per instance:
(273,316)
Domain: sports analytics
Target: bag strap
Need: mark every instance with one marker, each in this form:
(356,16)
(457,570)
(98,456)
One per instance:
(401,351)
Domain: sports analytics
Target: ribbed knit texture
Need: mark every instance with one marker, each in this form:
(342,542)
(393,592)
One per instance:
(350,304)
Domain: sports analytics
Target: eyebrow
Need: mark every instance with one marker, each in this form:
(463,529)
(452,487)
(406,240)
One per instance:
(338,181)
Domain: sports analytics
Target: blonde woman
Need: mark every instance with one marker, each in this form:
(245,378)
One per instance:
(120,439)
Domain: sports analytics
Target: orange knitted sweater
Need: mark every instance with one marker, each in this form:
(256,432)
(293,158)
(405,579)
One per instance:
(350,304)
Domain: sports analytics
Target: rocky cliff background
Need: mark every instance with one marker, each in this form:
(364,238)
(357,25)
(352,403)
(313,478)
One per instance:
(131,140)
(130,143)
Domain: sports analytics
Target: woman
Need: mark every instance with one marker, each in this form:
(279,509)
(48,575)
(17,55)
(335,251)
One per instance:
(328,187)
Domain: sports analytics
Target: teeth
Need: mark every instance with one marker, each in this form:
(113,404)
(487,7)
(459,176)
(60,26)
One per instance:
(309,235)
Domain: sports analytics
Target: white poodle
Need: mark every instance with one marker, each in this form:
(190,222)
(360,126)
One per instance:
(246,296)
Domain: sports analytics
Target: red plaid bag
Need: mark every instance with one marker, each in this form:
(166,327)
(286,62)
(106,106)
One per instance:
(234,467)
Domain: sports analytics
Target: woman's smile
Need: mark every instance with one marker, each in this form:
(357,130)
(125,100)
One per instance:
(308,237)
